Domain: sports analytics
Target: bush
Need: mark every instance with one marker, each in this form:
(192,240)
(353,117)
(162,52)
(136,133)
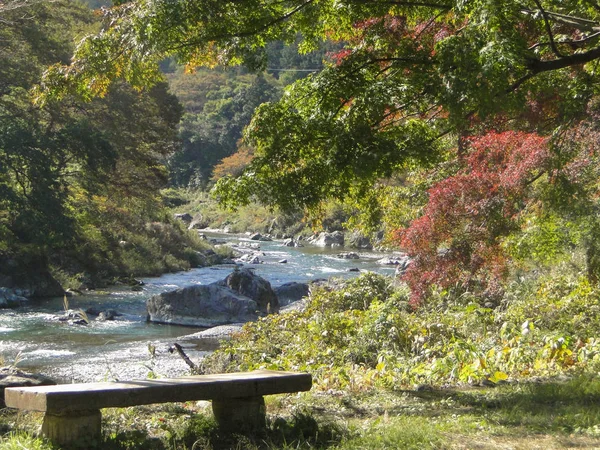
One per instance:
(361,333)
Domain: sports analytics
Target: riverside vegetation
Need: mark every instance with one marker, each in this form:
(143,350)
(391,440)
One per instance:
(454,374)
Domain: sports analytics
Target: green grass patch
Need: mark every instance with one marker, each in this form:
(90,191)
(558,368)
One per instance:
(23,441)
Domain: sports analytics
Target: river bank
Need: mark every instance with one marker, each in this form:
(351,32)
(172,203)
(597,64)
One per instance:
(129,347)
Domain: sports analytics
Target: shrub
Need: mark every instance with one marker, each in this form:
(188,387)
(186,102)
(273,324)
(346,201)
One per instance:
(360,333)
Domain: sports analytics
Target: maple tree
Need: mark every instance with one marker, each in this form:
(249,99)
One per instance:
(458,239)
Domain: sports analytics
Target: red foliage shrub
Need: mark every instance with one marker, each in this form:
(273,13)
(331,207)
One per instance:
(457,240)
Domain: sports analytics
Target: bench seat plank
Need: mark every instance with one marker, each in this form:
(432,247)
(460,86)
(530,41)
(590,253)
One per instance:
(94,396)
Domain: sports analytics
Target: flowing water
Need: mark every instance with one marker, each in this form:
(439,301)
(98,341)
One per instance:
(34,339)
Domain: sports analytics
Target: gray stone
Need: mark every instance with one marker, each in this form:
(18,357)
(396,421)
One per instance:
(109,314)
(290,242)
(259,237)
(203,306)
(185,217)
(250,258)
(245,282)
(358,240)
(291,292)
(394,261)
(74,317)
(10,299)
(348,255)
(250,245)
(325,239)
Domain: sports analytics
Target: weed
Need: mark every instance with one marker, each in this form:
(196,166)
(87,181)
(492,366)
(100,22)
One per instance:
(21,440)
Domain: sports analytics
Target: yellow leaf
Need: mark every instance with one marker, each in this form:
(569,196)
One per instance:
(500,376)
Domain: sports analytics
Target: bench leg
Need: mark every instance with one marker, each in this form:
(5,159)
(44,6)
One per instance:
(76,428)
(240,414)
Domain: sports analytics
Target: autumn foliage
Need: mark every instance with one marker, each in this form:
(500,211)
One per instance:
(233,165)
(457,242)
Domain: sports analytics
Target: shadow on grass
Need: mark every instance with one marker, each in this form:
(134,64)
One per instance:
(202,432)
(538,407)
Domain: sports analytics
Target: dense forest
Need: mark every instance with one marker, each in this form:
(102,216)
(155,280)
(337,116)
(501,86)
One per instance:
(80,180)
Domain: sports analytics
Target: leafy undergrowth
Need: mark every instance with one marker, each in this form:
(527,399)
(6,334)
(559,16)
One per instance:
(363,333)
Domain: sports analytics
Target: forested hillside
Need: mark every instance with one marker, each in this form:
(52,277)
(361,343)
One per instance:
(80,181)
(219,104)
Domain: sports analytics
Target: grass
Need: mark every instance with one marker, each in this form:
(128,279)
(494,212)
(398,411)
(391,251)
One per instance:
(254,217)
(552,414)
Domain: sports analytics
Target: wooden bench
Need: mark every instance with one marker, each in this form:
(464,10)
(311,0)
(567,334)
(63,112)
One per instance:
(72,411)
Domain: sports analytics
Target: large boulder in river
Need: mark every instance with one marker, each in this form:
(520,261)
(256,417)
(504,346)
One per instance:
(358,240)
(325,239)
(246,282)
(202,306)
(12,377)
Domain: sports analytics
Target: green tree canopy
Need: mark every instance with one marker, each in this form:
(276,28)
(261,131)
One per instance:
(77,179)
(416,83)
(411,74)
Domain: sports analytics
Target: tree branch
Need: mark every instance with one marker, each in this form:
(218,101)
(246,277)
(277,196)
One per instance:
(576,42)
(577,22)
(445,6)
(538,66)
(548,29)
(247,33)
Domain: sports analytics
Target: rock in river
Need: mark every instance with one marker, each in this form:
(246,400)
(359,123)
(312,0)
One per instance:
(245,282)
(335,239)
(10,299)
(240,297)
(291,292)
(202,306)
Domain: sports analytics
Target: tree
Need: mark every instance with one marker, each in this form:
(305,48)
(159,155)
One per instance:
(77,179)
(417,82)
(412,72)
(457,241)
(212,127)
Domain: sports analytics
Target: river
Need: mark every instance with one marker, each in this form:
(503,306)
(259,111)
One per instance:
(33,339)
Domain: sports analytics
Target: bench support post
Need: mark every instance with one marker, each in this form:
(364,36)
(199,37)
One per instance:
(79,427)
(240,414)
